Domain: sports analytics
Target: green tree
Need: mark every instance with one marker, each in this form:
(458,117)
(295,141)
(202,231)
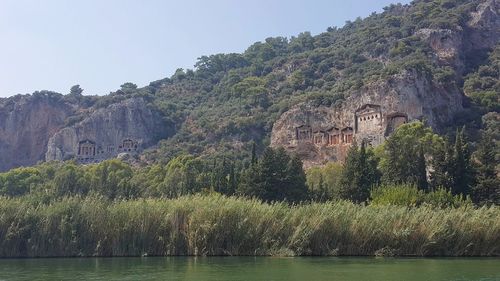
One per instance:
(69,179)
(19,181)
(296,189)
(76,90)
(403,154)
(111,178)
(441,164)
(182,177)
(487,189)
(254,154)
(360,173)
(275,177)
(463,171)
(324,182)
(421,170)
(127,87)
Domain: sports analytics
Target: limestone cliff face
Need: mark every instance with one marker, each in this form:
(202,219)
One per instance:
(480,34)
(322,134)
(26,124)
(125,127)
(483,29)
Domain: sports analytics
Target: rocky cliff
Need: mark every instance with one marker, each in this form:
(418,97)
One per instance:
(38,127)
(322,134)
(409,62)
(26,124)
(370,114)
(453,47)
(125,127)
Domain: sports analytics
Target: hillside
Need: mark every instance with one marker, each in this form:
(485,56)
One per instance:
(436,61)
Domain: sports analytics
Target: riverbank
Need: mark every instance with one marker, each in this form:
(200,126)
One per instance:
(219,225)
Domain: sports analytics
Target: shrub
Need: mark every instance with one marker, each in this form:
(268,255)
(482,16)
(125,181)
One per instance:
(411,196)
(399,195)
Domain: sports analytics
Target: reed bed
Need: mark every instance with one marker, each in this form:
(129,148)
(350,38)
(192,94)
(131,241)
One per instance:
(219,225)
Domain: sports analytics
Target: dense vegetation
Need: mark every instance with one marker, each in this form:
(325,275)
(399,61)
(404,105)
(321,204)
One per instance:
(483,85)
(217,225)
(413,155)
(216,188)
(229,101)
(113,208)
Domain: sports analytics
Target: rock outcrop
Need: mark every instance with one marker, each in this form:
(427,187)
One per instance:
(447,45)
(50,126)
(478,36)
(125,127)
(483,28)
(322,134)
(26,124)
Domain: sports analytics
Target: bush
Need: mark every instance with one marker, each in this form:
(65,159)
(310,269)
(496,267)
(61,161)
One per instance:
(444,198)
(399,195)
(411,196)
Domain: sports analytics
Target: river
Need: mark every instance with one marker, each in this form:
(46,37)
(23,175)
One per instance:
(251,268)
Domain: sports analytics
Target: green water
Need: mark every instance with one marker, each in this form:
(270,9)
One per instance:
(249,268)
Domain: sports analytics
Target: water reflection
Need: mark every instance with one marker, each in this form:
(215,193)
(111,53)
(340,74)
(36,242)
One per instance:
(249,268)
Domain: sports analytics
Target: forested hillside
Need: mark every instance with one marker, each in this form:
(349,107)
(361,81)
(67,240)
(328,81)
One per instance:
(204,163)
(229,100)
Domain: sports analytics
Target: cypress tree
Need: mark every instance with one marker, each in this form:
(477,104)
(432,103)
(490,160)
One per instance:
(274,165)
(421,171)
(462,173)
(364,174)
(487,189)
(442,165)
(393,169)
(360,174)
(254,154)
(296,189)
(251,182)
(321,190)
(213,176)
(275,177)
(348,182)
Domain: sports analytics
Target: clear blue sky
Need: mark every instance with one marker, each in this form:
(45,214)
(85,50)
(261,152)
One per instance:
(100,44)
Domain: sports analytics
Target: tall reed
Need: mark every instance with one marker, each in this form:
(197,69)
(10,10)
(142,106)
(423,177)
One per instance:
(219,225)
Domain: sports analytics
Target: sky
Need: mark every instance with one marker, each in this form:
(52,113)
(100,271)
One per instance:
(101,44)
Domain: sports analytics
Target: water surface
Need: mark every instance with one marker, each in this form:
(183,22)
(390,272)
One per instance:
(250,268)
